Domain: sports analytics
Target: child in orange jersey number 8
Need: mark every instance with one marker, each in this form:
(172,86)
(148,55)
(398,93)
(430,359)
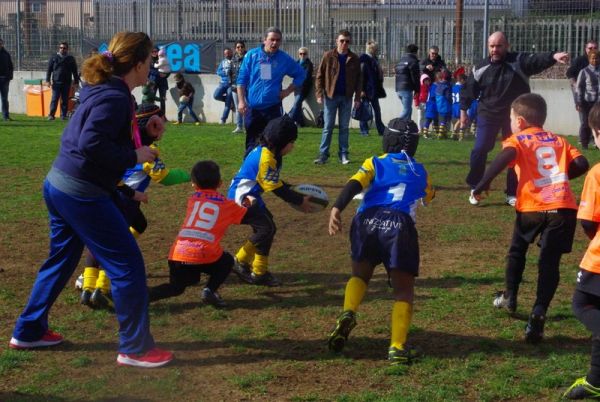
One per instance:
(546,206)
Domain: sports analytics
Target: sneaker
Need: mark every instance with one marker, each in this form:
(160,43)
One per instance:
(85,298)
(338,337)
(403,356)
(265,280)
(511,200)
(212,298)
(221,122)
(100,299)
(238,130)
(364,134)
(534,332)
(79,282)
(152,358)
(581,389)
(474,200)
(50,338)
(197,123)
(176,123)
(320,160)
(242,270)
(344,159)
(503,301)
(50,118)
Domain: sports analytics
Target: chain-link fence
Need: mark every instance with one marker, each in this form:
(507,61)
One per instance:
(32,29)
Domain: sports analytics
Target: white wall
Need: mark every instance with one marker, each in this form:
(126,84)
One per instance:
(562,117)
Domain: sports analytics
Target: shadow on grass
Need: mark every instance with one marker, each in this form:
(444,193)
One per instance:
(19,397)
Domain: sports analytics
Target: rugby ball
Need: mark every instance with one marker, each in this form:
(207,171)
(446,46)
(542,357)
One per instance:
(318,200)
(184,99)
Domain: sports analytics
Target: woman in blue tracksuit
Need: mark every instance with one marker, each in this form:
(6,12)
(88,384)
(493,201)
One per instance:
(98,145)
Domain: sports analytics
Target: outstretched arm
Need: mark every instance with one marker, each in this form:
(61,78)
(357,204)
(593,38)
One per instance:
(495,168)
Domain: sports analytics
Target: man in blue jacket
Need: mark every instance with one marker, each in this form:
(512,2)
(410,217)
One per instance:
(259,85)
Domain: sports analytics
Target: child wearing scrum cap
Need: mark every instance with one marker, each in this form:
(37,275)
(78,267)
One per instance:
(95,283)
(383,232)
(259,174)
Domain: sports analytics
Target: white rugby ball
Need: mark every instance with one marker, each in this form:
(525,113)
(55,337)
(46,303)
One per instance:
(318,200)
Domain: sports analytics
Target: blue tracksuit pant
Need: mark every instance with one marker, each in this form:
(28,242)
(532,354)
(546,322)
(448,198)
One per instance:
(100,226)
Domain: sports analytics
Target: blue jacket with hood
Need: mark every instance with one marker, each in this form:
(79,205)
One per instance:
(97,145)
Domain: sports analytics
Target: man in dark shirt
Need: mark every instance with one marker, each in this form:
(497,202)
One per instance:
(407,79)
(496,81)
(6,75)
(61,72)
(432,63)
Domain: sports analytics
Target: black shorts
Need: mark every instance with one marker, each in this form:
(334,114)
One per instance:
(588,282)
(381,235)
(556,228)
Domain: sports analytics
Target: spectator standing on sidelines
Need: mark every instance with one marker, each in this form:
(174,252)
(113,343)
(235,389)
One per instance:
(338,80)
(586,95)
(407,79)
(61,72)
(6,75)
(372,85)
(236,63)
(223,91)
(259,85)
(496,81)
(578,64)
(302,93)
(432,63)
(159,79)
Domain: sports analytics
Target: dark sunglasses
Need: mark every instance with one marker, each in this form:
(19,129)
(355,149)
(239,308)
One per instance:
(301,54)
(344,40)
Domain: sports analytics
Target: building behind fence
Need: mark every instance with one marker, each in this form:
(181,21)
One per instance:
(33,33)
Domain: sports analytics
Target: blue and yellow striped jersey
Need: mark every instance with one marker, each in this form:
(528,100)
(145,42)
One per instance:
(394,181)
(259,173)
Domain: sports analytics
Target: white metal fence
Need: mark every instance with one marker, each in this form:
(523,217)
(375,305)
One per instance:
(33,33)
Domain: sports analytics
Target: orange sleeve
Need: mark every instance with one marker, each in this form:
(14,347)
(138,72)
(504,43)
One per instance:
(589,206)
(236,212)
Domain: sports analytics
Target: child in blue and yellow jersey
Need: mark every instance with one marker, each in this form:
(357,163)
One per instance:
(383,231)
(130,194)
(443,102)
(259,174)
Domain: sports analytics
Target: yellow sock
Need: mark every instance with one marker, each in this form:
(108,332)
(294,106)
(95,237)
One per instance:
(401,317)
(103,282)
(90,276)
(134,232)
(246,253)
(260,266)
(355,291)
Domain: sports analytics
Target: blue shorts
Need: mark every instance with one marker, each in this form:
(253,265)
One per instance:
(381,235)
(456,110)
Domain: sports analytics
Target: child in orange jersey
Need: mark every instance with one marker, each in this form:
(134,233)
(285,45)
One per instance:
(197,248)
(586,298)
(546,206)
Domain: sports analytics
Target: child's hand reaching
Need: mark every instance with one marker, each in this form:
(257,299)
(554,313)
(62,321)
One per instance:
(145,154)
(155,127)
(335,221)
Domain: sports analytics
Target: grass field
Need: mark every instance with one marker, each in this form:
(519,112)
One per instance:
(270,344)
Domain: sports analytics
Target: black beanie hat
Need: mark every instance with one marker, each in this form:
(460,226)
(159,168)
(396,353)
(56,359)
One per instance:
(280,131)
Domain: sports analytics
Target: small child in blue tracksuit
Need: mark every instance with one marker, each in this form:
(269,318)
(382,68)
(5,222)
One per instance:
(459,132)
(431,113)
(443,101)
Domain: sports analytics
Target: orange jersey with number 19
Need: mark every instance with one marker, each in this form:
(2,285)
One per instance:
(209,214)
(542,165)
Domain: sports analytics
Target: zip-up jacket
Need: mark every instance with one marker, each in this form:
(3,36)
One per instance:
(407,73)
(587,85)
(6,65)
(329,70)
(497,84)
(61,69)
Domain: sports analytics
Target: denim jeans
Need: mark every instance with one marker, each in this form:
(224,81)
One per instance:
(239,119)
(4,96)
(364,125)
(343,104)
(296,113)
(228,104)
(60,91)
(485,139)
(187,105)
(406,97)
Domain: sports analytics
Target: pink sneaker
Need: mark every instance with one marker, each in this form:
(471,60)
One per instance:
(50,338)
(152,358)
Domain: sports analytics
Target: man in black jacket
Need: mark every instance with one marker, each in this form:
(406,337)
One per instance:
(61,68)
(496,81)
(407,79)
(432,63)
(6,75)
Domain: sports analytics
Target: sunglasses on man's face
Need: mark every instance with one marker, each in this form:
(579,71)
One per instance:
(592,48)
(302,54)
(63,48)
